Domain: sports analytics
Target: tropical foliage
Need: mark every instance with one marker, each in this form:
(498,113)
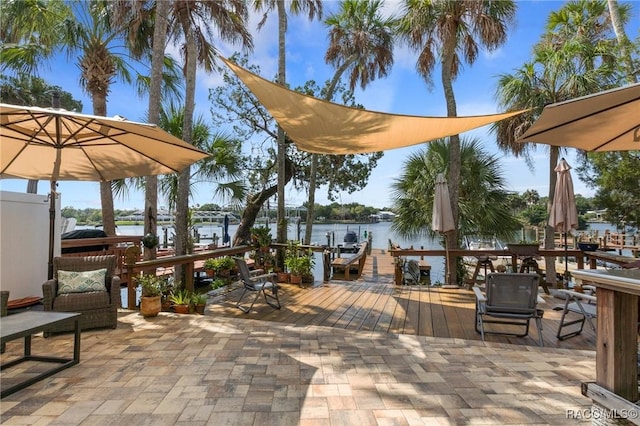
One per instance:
(484,200)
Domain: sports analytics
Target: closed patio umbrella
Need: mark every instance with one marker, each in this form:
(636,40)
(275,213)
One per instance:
(442,219)
(564,214)
(55,144)
(225,230)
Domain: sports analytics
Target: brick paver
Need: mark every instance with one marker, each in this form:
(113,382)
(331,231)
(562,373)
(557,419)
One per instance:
(205,370)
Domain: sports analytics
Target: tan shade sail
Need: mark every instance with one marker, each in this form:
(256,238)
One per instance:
(55,144)
(605,121)
(326,128)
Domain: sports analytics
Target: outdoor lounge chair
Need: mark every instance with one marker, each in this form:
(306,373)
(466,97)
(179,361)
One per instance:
(581,304)
(511,299)
(257,283)
(98,306)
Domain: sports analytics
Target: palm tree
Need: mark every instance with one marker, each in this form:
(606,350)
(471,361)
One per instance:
(192,27)
(224,167)
(619,15)
(29,37)
(313,9)
(484,200)
(450,32)
(566,64)
(361,43)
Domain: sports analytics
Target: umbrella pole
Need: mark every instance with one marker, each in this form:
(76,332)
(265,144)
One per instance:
(566,261)
(52,228)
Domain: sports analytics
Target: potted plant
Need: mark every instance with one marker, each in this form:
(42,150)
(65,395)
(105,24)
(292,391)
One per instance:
(181,300)
(261,236)
(200,302)
(151,292)
(524,248)
(219,266)
(588,242)
(299,265)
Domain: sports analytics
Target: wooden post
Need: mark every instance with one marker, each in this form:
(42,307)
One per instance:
(616,351)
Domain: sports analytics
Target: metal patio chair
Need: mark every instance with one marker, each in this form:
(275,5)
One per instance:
(511,299)
(261,283)
(582,305)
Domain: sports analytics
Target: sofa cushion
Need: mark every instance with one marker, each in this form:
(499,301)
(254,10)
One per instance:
(81,282)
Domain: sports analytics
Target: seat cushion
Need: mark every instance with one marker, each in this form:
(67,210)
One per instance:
(81,282)
(70,302)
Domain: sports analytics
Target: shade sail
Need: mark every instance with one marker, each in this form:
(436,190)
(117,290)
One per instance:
(323,127)
(604,121)
(55,144)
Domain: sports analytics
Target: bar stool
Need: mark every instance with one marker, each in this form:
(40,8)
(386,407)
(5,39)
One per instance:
(530,264)
(482,262)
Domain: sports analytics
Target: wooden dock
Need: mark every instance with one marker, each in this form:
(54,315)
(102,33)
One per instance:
(374,304)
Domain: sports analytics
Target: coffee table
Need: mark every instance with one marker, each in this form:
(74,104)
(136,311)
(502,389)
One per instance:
(26,324)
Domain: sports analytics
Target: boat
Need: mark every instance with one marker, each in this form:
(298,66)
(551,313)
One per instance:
(350,243)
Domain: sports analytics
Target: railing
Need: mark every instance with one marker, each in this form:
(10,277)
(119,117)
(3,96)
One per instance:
(188,260)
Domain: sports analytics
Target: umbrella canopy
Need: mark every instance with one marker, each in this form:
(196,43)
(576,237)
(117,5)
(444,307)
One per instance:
(225,230)
(55,144)
(442,219)
(605,121)
(564,214)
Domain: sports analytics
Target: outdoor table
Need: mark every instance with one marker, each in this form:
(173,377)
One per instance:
(26,324)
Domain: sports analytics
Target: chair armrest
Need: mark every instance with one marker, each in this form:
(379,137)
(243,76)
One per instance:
(49,292)
(479,295)
(256,272)
(263,276)
(114,290)
(580,296)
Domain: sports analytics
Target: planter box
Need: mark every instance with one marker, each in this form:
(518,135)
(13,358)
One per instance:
(523,249)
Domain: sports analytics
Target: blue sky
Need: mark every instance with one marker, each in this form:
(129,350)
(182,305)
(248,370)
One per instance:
(402,92)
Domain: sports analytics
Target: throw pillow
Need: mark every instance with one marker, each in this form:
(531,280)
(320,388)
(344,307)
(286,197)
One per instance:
(80,282)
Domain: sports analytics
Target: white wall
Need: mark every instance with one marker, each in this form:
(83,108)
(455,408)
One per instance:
(24,242)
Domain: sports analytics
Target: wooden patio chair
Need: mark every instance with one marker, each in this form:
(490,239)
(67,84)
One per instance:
(257,283)
(511,299)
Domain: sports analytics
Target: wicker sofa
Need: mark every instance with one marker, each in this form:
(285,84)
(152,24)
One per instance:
(98,308)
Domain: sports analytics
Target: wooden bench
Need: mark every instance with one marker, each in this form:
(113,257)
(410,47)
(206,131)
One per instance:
(355,262)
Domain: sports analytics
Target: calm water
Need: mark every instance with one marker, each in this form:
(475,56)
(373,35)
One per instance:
(320,235)
(333,234)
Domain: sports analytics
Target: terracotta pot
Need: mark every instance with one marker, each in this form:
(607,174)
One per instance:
(200,308)
(295,279)
(181,309)
(283,277)
(150,306)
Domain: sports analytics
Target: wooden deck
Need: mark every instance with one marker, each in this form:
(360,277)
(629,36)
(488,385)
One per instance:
(374,304)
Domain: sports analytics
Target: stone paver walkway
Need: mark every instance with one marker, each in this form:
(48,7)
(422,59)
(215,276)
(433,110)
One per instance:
(203,370)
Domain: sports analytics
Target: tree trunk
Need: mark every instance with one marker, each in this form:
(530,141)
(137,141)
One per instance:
(99,102)
(549,240)
(282,30)
(182,201)
(155,89)
(314,157)
(254,204)
(454,156)
(623,40)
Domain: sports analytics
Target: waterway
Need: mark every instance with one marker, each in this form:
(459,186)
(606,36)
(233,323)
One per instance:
(333,234)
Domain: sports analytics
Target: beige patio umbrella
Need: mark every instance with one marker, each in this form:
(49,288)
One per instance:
(604,121)
(55,144)
(564,214)
(442,216)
